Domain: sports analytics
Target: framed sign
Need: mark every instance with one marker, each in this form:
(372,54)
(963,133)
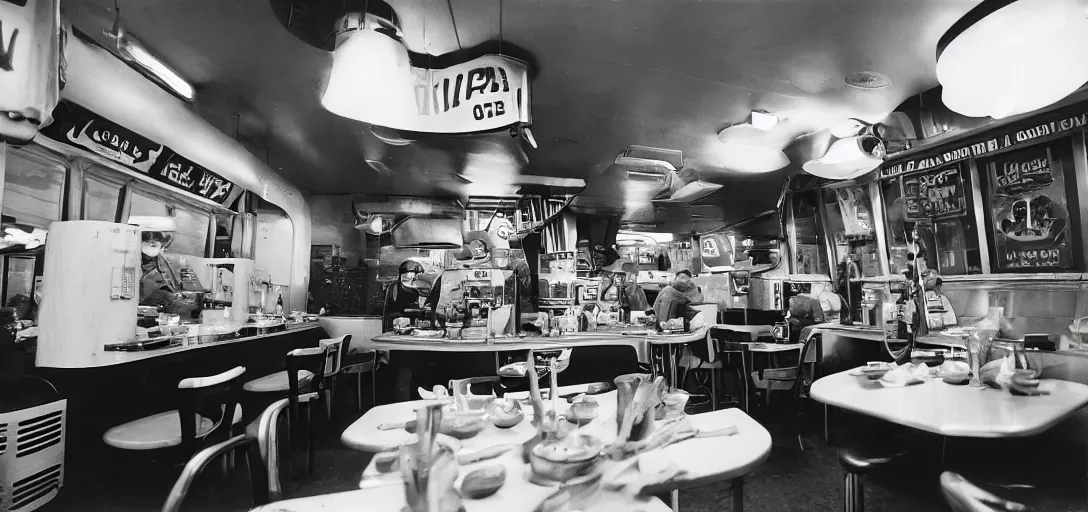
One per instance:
(934,194)
(1028,208)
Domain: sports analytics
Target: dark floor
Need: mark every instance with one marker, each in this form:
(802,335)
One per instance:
(789,480)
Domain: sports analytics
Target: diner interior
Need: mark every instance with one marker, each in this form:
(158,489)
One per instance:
(543,256)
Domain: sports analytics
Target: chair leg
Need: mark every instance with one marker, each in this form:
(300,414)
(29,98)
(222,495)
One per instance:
(309,439)
(713,389)
(738,494)
(853,493)
(328,402)
(373,387)
(359,390)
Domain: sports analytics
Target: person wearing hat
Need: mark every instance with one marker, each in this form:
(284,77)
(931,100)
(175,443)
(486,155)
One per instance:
(159,283)
(939,311)
(402,295)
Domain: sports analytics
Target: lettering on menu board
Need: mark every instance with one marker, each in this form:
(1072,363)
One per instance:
(193,178)
(934,194)
(481,274)
(115,143)
(1062,122)
(710,249)
(481,81)
(80,127)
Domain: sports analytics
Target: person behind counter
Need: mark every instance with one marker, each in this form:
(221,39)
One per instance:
(693,293)
(402,295)
(159,284)
(674,302)
(633,294)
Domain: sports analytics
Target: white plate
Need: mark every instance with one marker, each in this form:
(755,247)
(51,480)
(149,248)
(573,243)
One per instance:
(911,382)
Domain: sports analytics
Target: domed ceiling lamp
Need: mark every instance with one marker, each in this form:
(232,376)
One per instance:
(1009,57)
(691,192)
(848,158)
(372,79)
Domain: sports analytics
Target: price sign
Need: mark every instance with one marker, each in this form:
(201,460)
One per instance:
(934,194)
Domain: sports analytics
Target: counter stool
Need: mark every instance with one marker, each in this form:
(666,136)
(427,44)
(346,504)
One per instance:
(266,431)
(298,383)
(166,430)
(856,462)
(963,496)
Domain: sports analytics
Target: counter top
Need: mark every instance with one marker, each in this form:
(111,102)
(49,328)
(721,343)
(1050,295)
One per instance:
(108,358)
(403,342)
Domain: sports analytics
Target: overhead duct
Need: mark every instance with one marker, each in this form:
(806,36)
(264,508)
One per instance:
(429,233)
(646,164)
(107,86)
(415,222)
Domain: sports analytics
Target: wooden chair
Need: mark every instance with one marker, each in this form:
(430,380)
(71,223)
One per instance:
(257,474)
(266,431)
(184,427)
(301,384)
(963,496)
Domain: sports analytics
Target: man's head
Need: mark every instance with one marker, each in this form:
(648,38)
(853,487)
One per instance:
(409,270)
(683,276)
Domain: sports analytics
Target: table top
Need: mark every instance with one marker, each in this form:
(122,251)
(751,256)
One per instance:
(774,347)
(589,339)
(750,329)
(392,499)
(851,331)
(951,410)
(678,338)
(737,454)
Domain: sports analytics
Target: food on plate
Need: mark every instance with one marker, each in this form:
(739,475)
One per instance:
(505,412)
(483,482)
(428,333)
(582,412)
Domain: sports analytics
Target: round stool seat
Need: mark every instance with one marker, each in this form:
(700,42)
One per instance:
(158,431)
(277,382)
(859,460)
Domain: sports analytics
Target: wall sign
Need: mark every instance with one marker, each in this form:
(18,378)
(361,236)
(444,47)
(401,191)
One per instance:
(29,66)
(1021,133)
(934,194)
(79,127)
(1030,219)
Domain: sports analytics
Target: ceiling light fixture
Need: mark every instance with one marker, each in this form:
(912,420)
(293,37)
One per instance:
(390,136)
(371,77)
(133,52)
(848,158)
(1009,57)
(764,120)
(848,128)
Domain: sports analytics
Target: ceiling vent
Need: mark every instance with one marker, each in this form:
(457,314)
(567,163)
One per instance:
(379,167)
(868,80)
(644,163)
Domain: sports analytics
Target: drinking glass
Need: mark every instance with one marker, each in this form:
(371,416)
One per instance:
(974,349)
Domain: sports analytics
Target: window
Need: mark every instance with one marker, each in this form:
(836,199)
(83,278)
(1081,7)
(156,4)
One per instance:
(936,207)
(849,216)
(192,235)
(100,198)
(810,256)
(33,187)
(20,277)
(1029,222)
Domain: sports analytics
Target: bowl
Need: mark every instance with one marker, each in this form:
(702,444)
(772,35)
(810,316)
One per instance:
(505,412)
(582,412)
(564,460)
(675,402)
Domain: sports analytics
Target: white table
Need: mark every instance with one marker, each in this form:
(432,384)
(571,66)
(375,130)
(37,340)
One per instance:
(393,499)
(670,344)
(734,456)
(949,410)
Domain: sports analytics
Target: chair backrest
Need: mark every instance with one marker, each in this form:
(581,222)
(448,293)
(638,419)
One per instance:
(310,359)
(812,343)
(963,496)
(268,441)
(258,477)
(337,352)
(208,394)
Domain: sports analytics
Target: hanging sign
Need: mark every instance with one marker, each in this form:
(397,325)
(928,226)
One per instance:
(79,127)
(30,47)
(934,194)
(1042,126)
(487,93)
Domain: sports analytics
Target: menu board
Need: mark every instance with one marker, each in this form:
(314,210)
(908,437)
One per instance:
(79,127)
(934,194)
(1028,211)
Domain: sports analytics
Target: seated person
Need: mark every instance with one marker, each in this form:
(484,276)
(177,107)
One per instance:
(694,294)
(674,302)
(939,312)
(633,294)
(804,311)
